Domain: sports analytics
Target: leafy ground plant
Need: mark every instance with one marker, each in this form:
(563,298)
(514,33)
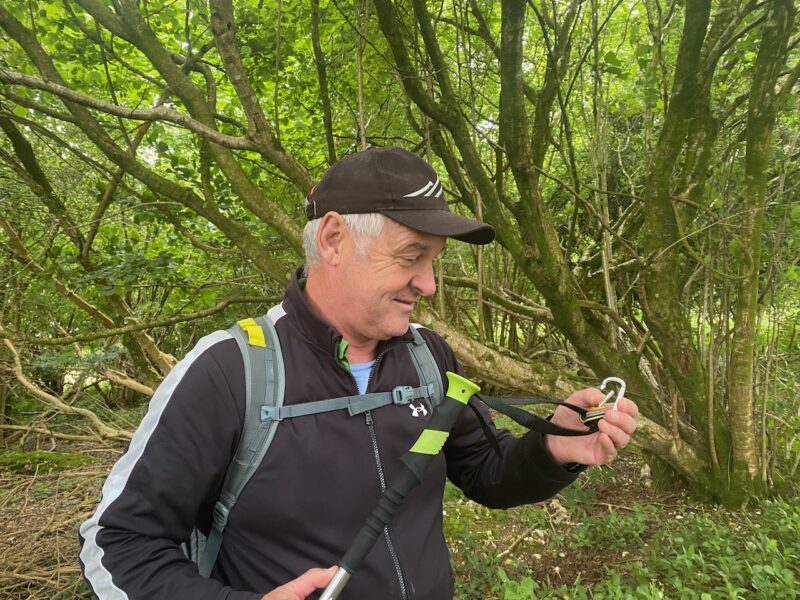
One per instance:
(609,536)
(642,545)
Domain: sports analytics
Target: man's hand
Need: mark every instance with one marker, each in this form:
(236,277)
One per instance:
(299,588)
(614,430)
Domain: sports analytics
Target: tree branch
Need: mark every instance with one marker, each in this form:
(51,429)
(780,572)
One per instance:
(251,246)
(20,252)
(96,335)
(224,27)
(125,381)
(102,429)
(132,27)
(50,432)
(159,113)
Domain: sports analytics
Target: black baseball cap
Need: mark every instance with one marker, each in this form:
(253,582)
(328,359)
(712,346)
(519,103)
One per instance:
(396,183)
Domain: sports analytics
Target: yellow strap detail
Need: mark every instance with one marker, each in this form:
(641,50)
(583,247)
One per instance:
(255,335)
(430,442)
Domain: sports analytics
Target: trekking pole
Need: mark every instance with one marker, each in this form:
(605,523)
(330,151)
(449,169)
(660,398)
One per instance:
(410,474)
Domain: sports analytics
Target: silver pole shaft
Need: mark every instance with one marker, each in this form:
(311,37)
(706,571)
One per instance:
(336,585)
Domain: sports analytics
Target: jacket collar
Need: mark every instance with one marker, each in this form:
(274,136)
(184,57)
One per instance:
(316,329)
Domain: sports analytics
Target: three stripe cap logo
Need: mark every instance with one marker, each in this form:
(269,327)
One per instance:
(432,189)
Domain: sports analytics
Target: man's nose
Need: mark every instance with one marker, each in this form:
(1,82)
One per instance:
(425,280)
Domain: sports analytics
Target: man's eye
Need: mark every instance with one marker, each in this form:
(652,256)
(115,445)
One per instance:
(409,260)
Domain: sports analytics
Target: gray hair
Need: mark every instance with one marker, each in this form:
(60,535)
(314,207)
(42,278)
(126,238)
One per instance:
(364,227)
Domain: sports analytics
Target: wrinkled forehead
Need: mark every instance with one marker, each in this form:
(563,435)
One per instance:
(403,238)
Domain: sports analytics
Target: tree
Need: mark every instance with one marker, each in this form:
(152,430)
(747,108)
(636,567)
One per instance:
(633,161)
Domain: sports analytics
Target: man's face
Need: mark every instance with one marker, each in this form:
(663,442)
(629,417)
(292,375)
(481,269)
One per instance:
(383,286)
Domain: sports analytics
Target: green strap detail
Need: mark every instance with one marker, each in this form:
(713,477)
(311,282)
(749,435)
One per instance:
(341,353)
(430,441)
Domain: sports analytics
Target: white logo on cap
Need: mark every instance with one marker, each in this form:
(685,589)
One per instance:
(427,190)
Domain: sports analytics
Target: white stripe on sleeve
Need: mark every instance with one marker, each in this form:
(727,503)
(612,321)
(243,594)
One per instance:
(91,554)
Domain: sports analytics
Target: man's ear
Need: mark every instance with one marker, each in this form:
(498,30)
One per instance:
(331,236)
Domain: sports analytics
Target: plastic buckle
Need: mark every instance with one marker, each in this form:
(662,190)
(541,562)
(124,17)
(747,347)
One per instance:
(403,394)
(220,515)
(271,413)
(595,413)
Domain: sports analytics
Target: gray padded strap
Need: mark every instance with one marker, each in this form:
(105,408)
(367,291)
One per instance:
(264,385)
(427,369)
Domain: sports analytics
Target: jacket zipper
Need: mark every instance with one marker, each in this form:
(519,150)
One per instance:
(392,551)
(374,439)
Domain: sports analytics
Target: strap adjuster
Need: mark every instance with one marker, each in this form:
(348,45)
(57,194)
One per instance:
(220,515)
(403,394)
(271,413)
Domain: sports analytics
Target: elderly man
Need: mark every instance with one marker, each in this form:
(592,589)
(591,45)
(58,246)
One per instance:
(377,221)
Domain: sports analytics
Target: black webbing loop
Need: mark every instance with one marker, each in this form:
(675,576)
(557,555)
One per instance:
(508,407)
(487,431)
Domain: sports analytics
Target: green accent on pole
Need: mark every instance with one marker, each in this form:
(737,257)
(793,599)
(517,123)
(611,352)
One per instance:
(460,388)
(430,442)
(341,353)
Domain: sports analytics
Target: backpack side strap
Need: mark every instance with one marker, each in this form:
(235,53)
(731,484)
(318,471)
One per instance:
(427,369)
(264,386)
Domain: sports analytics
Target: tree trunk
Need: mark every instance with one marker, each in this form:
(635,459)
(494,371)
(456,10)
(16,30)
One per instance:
(760,123)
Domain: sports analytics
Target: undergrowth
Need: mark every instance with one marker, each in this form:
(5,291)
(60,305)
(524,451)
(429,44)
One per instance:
(41,461)
(576,547)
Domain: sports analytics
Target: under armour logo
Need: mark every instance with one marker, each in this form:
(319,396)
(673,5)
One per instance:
(432,188)
(418,411)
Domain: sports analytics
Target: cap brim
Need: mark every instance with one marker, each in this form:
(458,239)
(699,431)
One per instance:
(445,224)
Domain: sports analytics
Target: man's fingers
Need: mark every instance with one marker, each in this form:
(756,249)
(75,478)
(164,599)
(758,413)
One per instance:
(608,447)
(299,588)
(622,420)
(628,407)
(617,436)
(312,580)
(586,398)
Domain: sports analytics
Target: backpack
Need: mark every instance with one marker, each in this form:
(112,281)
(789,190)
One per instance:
(264,410)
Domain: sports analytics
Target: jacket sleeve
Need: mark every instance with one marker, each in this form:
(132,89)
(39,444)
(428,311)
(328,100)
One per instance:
(169,477)
(522,474)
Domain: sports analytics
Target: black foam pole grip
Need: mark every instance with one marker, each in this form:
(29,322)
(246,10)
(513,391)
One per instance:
(410,473)
(400,485)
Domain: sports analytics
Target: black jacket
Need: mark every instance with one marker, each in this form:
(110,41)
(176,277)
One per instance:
(319,480)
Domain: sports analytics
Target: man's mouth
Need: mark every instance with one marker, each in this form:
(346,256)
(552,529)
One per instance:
(406,303)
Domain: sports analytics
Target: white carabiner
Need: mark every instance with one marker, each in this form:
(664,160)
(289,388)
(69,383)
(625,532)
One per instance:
(616,394)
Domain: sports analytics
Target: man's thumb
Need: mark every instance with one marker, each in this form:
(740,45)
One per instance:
(311,580)
(299,588)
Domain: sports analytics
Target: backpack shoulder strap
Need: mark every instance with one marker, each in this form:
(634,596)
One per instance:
(426,366)
(264,392)
(264,383)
